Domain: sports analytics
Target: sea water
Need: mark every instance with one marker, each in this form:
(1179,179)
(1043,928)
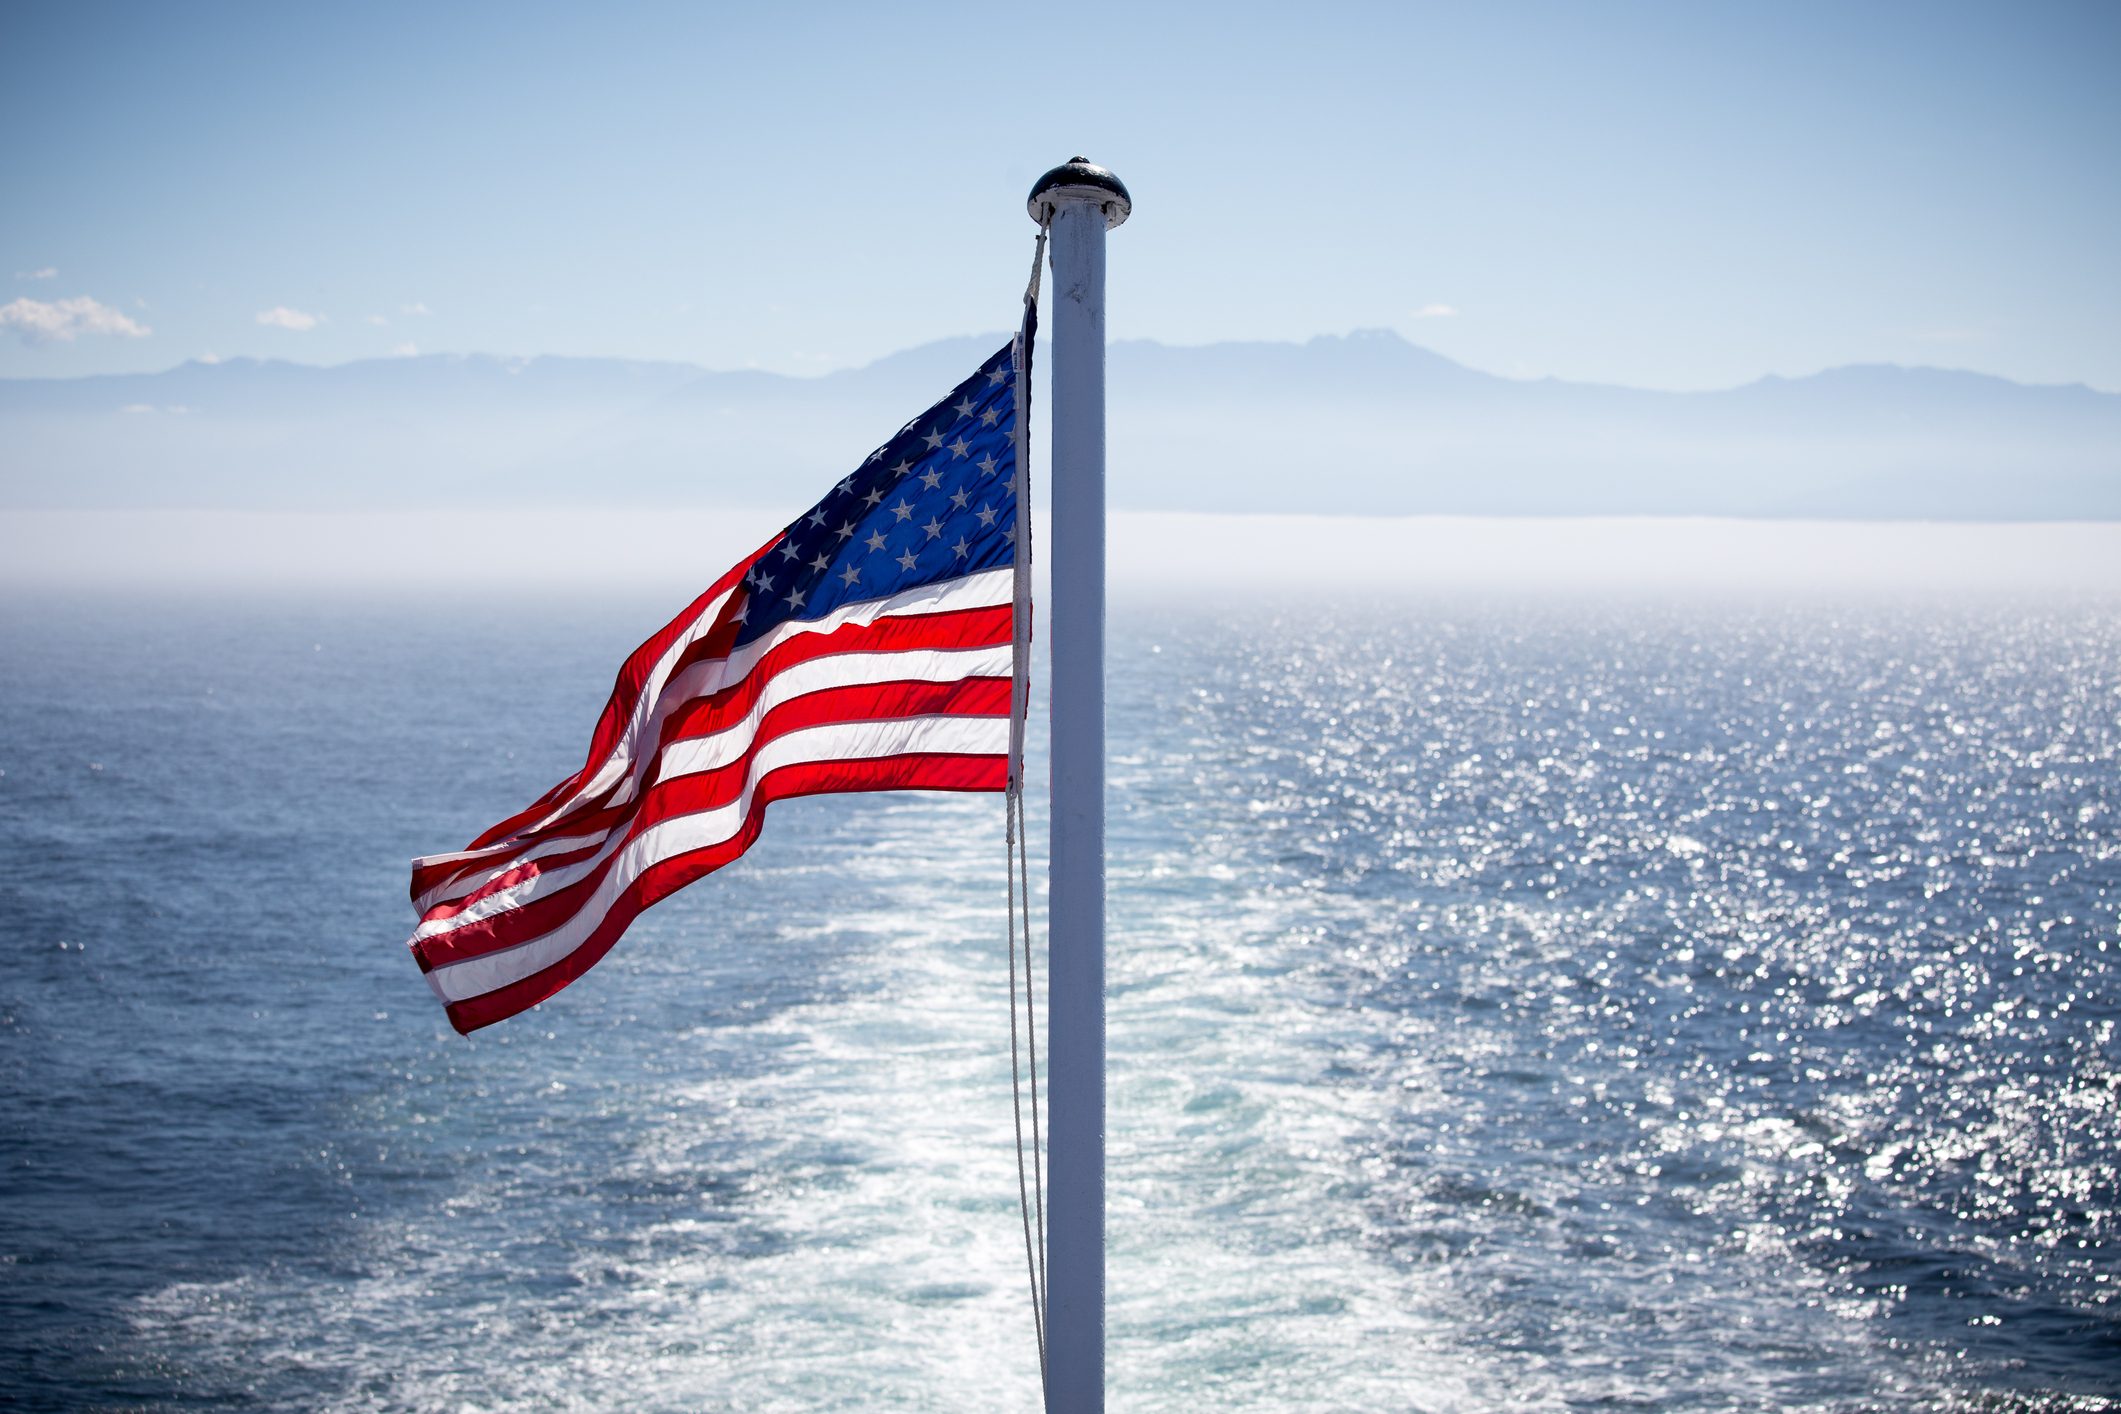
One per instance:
(1515,1004)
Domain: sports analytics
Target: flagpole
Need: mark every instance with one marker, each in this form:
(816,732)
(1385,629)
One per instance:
(1080,201)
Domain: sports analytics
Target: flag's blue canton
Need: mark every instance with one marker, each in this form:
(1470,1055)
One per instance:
(935,502)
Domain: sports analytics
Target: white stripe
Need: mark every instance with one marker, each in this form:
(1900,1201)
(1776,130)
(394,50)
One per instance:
(986,589)
(708,753)
(852,741)
(651,691)
(469,884)
(973,591)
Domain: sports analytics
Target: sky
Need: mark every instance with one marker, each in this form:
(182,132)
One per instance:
(1670,196)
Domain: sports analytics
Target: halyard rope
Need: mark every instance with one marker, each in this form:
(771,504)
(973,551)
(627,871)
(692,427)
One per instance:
(1031,1192)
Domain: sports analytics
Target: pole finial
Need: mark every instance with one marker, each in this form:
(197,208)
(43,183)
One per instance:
(1080,179)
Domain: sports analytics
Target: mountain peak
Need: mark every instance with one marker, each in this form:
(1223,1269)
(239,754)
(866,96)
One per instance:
(1361,422)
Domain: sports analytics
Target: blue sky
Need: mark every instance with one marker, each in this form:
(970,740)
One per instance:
(1676,196)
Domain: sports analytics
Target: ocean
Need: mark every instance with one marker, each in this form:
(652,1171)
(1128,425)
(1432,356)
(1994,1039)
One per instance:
(1516,1003)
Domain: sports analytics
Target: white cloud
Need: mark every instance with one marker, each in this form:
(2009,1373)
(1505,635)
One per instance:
(406,351)
(207,358)
(376,319)
(416,307)
(63,321)
(44,272)
(1436,311)
(139,407)
(281,317)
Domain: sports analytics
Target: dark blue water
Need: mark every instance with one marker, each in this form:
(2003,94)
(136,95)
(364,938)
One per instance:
(1514,1005)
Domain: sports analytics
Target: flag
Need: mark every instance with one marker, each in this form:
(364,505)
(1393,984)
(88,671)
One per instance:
(868,646)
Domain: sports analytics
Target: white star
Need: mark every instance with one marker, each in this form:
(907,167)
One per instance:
(788,549)
(1010,535)
(902,510)
(765,582)
(987,464)
(850,576)
(846,485)
(933,439)
(961,446)
(959,499)
(990,417)
(961,547)
(794,598)
(821,563)
(998,376)
(875,540)
(743,612)
(845,530)
(986,517)
(901,468)
(931,478)
(934,528)
(967,407)
(817,517)
(875,496)
(906,561)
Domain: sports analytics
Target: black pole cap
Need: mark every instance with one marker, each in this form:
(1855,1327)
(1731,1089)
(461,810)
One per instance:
(1080,179)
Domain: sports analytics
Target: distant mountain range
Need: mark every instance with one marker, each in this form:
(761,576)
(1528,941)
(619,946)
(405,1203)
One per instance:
(1361,424)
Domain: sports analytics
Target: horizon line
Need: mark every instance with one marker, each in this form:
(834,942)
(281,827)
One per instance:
(1360,332)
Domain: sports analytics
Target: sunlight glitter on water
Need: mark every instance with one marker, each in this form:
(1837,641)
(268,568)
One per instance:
(1513,1006)
(1817,1063)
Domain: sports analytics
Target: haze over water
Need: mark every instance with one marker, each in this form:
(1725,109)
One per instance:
(1515,1005)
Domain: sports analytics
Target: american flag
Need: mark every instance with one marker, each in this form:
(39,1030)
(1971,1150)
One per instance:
(868,646)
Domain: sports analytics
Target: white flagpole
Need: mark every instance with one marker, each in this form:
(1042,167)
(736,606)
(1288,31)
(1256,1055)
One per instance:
(1081,202)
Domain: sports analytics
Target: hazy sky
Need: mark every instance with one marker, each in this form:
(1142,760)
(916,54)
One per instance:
(1675,196)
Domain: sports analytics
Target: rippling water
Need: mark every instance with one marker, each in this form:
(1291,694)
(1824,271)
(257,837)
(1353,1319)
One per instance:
(1514,1006)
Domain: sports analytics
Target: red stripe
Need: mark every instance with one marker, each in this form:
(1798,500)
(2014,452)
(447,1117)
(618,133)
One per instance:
(589,815)
(669,800)
(708,790)
(626,690)
(528,869)
(702,791)
(958,628)
(923,772)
